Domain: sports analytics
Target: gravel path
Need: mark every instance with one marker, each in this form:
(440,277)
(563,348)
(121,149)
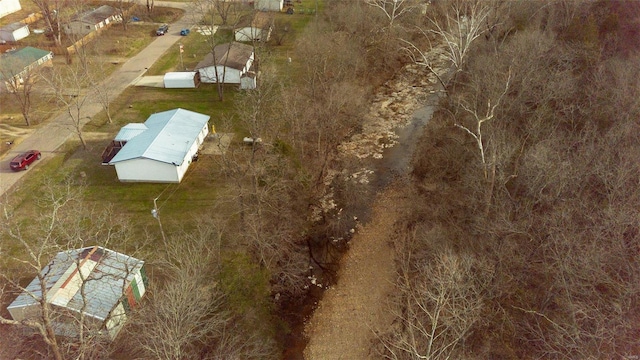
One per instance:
(343,325)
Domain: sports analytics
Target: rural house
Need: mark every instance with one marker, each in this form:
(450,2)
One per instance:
(100,283)
(159,150)
(9,7)
(14,32)
(232,60)
(258,30)
(92,20)
(17,66)
(268,5)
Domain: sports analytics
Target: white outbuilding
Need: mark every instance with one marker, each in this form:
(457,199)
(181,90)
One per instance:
(101,284)
(231,62)
(268,5)
(182,80)
(14,32)
(161,149)
(9,7)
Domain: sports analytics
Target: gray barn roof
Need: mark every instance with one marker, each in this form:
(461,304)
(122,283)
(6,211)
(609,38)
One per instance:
(95,16)
(234,55)
(167,137)
(103,286)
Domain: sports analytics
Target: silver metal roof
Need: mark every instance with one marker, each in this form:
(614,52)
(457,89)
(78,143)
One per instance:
(106,274)
(169,135)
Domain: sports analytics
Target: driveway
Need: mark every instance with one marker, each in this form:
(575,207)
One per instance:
(56,132)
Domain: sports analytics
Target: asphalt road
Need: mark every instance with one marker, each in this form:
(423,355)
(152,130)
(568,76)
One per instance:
(57,131)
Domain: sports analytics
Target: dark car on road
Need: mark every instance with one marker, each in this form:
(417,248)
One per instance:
(22,161)
(162,30)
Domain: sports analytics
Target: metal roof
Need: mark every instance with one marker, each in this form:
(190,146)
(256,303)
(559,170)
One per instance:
(234,55)
(169,135)
(14,62)
(13,27)
(130,131)
(96,15)
(106,274)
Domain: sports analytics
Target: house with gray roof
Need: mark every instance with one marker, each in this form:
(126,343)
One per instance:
(17,66)
(92,20)
(159,150)
(98,283)
(228,61)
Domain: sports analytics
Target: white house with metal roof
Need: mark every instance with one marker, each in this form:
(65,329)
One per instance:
(100,283)
(159,150)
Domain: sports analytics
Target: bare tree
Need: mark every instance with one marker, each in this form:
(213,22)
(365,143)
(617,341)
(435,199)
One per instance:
(68,87)
(440,298)
(392,9)
(208,11)
(458,25)
(479,120)
(20,86)
(151,4)
(51,12)
(124,8)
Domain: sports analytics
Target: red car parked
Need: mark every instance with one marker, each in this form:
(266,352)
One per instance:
(22,161)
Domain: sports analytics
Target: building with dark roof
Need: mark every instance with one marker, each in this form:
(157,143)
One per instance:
(17,66)
(92,20)
(232,61)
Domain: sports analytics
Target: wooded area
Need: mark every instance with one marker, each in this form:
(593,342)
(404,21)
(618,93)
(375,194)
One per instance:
(525,241)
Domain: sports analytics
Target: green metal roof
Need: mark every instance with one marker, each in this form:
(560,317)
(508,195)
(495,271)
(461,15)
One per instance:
(14,62)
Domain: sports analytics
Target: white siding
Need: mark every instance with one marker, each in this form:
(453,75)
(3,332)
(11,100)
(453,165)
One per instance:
(268,5)
(145,170)
(116,321)
(231,76)
(9,7)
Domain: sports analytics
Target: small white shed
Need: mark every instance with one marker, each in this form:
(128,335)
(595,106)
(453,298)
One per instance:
(268,5)
(14,32)
(9,7)
(161,149)
(182,80)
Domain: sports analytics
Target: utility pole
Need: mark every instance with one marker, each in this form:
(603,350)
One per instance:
(181,51)
(156,214)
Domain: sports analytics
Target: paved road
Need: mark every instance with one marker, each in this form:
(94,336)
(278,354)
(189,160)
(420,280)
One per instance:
(52,135)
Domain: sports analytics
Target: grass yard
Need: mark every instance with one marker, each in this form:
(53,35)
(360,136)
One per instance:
(202,189)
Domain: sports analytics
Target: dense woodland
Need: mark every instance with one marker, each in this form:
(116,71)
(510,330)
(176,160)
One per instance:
(524,240)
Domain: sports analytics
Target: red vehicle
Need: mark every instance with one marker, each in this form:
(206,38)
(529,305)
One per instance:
(22,161)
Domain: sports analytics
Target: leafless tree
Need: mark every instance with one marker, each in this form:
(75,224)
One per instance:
(392,9)
(51,12)
(457,27)
(151,4)
(20,86)
(440,297)
(68,88)
(124,8)
(207,10)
